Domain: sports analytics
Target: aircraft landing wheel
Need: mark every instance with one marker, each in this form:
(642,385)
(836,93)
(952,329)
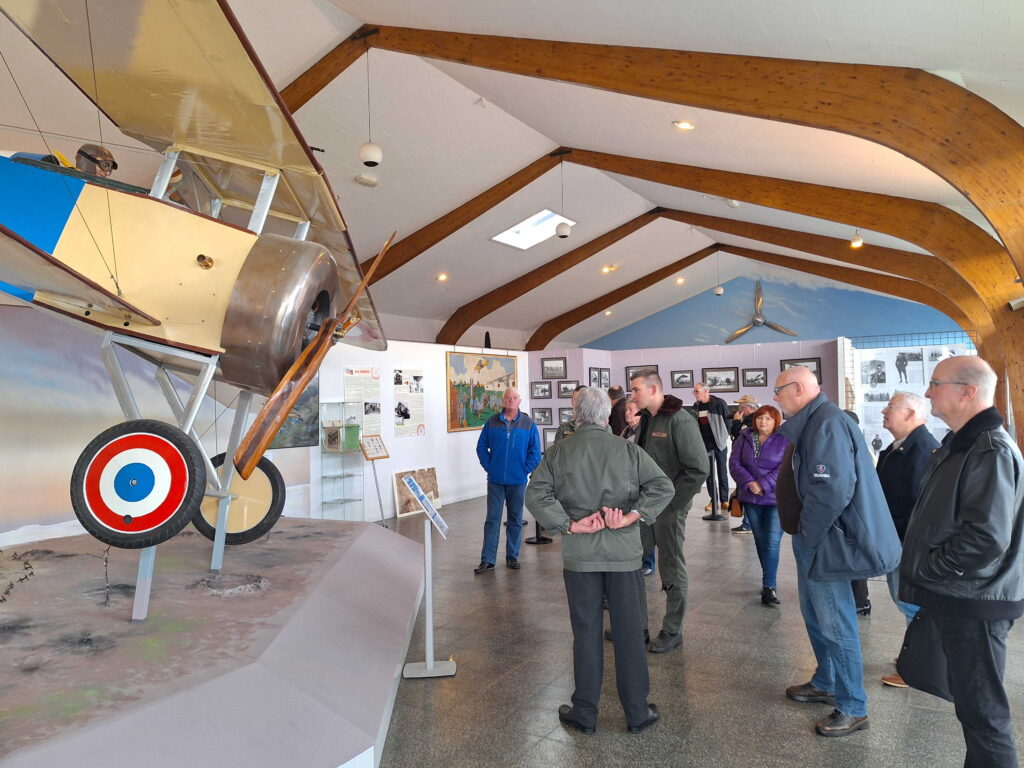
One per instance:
(253,513)
(138,483)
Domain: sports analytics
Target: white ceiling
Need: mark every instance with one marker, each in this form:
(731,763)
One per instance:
(449,132)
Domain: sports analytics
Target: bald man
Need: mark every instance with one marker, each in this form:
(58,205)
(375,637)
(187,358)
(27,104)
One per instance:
(845,532)
(962,561)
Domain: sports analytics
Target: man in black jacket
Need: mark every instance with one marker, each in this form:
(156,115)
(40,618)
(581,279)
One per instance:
(962,560)
(900,469)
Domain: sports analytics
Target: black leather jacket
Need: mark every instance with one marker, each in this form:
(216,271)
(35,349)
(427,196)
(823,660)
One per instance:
(962,553)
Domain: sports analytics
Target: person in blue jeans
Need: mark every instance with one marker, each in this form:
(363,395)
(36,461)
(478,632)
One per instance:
(754,465)
(509,450)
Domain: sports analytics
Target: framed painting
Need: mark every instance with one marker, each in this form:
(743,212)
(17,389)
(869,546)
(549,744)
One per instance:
(814,363)
(553,368)
(541,417)
(721,379)
(682,379)
(595,378)
(631,369)
(566,388)
(755,377)
(474,384)
(540,390)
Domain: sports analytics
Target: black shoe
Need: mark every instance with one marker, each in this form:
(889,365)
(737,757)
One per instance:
(483,567)
(653,715)
(741,529)
(808,694)
(511,562)
(608,636)
(568,716)
(838,724)
(768,596)
(665,642)
(864,610)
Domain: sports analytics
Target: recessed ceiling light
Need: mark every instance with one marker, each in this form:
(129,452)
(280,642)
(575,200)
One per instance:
(680,280)
(441,277)
(683,125)
(606,269)
(607,312)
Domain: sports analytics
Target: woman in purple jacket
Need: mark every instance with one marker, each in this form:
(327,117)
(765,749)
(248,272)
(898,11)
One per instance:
(754,465)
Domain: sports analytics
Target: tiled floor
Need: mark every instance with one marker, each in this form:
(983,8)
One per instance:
(721,695)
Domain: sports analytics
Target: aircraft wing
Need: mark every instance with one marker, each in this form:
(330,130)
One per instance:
(180,74)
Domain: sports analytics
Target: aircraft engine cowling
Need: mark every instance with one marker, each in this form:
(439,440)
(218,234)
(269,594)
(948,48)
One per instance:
(284,291)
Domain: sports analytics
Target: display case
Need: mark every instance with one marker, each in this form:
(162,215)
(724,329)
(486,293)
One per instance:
(341,460)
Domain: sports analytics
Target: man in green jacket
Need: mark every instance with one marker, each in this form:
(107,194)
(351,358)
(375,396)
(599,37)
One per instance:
(581,488)
(670,435)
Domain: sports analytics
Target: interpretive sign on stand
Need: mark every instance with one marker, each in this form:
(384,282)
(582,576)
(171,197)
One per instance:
(428,668)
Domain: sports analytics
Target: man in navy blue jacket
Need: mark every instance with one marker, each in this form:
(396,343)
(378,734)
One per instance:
(509,450)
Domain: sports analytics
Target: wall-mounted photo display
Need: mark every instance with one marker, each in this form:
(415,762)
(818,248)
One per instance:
(540,390)
(553,368)
(631,369)
(910,366)
(565,415)
(566,388)
(682,379)
(721,379)
(549,437)
(541,416)
(595,378)
(606,378)
(814,363)
(755,377)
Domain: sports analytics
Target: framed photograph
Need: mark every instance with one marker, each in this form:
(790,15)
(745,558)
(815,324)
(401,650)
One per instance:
(565,415)
(373,447)
(565,388)
(595,378)
(682,379)
(474,386)
(755,377)
(553,368)
(540,390)
(631,369)
(606,378)
(721,379)
(549,437)
(814,363)
(541,417)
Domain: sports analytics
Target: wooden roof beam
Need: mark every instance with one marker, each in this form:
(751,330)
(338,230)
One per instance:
(319,76)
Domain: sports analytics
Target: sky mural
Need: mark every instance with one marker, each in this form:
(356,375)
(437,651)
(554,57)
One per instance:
(813,307)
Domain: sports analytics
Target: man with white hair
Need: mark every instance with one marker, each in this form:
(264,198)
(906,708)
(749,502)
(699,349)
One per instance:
(844,532)
(900,469)
(962,561)
(595,488)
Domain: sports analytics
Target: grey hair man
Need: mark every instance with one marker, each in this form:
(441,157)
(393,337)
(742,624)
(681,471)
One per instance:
(962,560)
(669,434)
(595,489)
(900,469)
(713,417)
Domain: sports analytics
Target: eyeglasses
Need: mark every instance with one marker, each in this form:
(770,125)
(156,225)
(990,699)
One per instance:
(896,408)
(106,165)
(934,383)
(776,390)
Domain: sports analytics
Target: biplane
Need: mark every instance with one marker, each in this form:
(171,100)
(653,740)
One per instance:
(197,284)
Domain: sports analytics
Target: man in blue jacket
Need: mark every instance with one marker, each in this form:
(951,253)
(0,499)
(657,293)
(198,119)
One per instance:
(845,533)
(509,450)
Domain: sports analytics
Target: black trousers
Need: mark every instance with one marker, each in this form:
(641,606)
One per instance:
(586,592)
(860,592)
(719,472)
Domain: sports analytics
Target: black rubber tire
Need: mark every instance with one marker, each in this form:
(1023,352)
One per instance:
(181,516)
(266,523)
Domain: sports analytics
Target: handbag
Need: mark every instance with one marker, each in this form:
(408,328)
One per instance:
(922,662)
(735,507)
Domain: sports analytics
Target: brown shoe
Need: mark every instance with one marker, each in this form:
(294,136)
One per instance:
(708,507)
(839,724)
(894,680)
(725,505)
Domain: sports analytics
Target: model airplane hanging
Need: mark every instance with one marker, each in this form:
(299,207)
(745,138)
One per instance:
(758,319)
(178,285)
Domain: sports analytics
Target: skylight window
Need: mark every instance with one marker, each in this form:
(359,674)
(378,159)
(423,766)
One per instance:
(533,230)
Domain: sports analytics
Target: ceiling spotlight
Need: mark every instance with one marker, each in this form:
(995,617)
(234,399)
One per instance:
(733,203)
(683,125)
(370,155)
(856,241)
(563,230)
(441,277)
(607,313)
(680,280)
(718,290)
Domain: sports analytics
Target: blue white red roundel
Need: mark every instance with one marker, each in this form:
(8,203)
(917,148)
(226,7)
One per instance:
(135,483)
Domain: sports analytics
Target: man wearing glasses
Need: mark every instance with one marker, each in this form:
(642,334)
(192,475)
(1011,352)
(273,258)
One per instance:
(962,561)
(844,532)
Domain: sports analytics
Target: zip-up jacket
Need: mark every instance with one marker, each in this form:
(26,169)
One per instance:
(508,450)
(900,471)
(672,438)
(844,517)
(718,415)
(962,551)
(596,469)
(764,470)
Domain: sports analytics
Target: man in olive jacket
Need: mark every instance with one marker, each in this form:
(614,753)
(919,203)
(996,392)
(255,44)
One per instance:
(670,435)
(595,488)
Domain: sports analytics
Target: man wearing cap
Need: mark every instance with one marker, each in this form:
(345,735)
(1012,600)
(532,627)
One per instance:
(94,159)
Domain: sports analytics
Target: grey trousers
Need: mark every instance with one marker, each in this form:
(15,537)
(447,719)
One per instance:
(586,592)
(668,533)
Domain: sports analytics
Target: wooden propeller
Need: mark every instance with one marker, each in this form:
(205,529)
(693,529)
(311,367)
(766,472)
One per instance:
(281,401)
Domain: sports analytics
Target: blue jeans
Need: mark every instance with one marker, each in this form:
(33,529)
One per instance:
(764,523)
(907,609)
(831,620)
(510,496)
(648,561)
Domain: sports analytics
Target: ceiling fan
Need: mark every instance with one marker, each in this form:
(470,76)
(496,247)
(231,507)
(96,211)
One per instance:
(758,319)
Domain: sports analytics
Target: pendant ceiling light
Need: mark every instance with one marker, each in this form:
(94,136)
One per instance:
(370,154)
(563,229)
